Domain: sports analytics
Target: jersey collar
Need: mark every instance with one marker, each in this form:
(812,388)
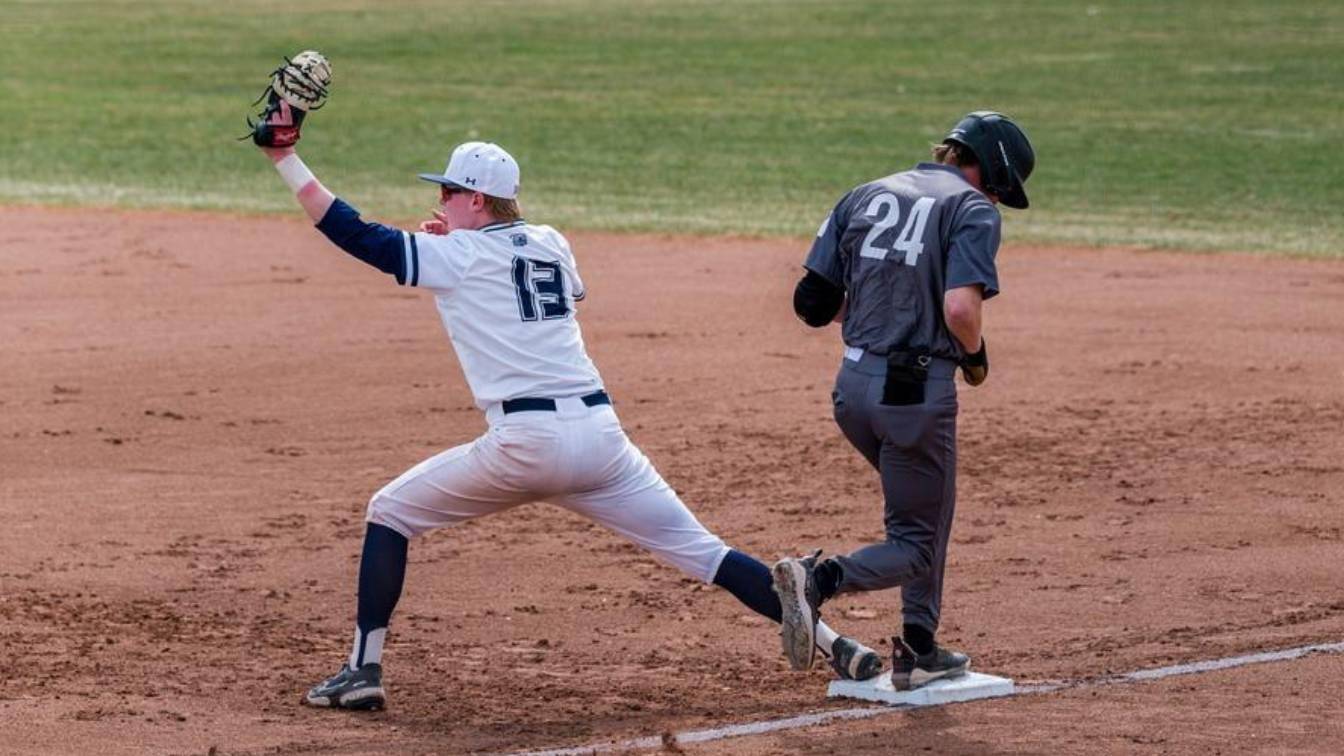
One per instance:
(498,226)
(944,167)
(939,167)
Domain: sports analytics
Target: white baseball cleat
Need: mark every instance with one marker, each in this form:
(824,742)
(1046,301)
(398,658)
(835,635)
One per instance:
(799,602)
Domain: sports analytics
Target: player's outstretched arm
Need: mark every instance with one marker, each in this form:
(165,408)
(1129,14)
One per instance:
(383,247)
(312,195)
(296,88)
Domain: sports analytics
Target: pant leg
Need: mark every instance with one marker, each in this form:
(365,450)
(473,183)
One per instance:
(922,597)
(505,467)
(915,465)
(627,496)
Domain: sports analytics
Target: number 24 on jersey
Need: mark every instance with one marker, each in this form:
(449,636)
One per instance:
(885,212)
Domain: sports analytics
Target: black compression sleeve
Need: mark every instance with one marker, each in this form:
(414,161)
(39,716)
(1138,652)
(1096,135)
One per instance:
(816,300)
(381,246)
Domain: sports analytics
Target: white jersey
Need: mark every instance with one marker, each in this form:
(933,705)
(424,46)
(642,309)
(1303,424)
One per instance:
(507,294)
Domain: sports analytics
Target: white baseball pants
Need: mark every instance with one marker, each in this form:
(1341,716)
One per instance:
(577,457)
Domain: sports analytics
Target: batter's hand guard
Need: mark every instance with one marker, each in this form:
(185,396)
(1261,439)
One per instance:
(975,367)
(300,85)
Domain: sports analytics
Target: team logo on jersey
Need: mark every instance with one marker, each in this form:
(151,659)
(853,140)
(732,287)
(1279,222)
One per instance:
(519,240)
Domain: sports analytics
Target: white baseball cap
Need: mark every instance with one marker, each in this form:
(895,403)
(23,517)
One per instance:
(480,167)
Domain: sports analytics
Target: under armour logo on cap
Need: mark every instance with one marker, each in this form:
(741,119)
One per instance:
(482,166)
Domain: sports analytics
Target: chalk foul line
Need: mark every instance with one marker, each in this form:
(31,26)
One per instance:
(868,712)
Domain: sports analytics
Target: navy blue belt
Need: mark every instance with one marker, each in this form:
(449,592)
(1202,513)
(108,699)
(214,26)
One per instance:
(538,404)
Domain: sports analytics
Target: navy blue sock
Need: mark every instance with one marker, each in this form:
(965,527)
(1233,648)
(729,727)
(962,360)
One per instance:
(749,580)
(920,639)
(382,570)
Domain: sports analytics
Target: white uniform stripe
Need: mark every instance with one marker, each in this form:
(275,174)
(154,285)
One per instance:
(415,261)
(406,269)
(819,718)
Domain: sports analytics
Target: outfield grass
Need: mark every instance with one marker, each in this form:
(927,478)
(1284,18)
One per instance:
(1200,124)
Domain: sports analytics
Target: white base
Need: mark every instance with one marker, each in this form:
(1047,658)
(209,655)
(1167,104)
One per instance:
(968,687)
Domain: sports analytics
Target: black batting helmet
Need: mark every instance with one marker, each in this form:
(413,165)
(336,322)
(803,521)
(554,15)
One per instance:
(1005,155)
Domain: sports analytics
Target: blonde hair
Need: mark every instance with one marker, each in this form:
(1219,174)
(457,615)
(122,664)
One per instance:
(502,209)
(951,153)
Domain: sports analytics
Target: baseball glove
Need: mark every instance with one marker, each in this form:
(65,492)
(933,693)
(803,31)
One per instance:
(300,85)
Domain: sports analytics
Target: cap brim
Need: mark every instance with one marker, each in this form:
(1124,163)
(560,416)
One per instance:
(438,178)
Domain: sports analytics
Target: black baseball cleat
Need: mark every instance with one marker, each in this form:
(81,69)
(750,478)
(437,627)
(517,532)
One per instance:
(853,660)
(360,689)
(800,604)
(910,670)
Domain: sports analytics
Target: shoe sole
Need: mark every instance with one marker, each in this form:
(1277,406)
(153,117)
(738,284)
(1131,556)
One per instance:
(798,623)
(918,678)
(364,699)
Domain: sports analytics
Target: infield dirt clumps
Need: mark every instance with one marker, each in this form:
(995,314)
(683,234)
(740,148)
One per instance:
(196,408)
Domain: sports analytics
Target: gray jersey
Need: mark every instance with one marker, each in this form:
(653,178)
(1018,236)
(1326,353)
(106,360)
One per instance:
(895,245)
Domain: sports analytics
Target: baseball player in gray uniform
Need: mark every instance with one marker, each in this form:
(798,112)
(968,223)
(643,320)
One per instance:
(508,292)
(906,262)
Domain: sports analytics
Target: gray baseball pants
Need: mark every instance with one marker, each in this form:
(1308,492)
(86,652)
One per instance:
(914,449)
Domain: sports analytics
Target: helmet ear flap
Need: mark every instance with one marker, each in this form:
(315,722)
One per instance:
(1012,159)
(998,174)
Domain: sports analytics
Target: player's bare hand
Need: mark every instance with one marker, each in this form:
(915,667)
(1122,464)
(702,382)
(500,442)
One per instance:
(437,226)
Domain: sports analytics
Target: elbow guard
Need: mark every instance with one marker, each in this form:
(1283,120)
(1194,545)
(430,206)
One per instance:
(816,300)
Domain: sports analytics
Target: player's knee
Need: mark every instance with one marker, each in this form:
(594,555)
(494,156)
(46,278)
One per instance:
(377,503)
(383,510)
(699,558)
(923,559)
(376,511)
(921,551)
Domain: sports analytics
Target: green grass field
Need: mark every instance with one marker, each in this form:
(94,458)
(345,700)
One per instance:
(1203,125)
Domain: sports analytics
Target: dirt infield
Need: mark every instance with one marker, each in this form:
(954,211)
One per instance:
(194,410)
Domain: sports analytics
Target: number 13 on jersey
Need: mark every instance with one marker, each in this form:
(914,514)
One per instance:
(540,286)
(885,212)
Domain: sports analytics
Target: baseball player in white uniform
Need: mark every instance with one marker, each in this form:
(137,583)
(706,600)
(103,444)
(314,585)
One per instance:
(507,291)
